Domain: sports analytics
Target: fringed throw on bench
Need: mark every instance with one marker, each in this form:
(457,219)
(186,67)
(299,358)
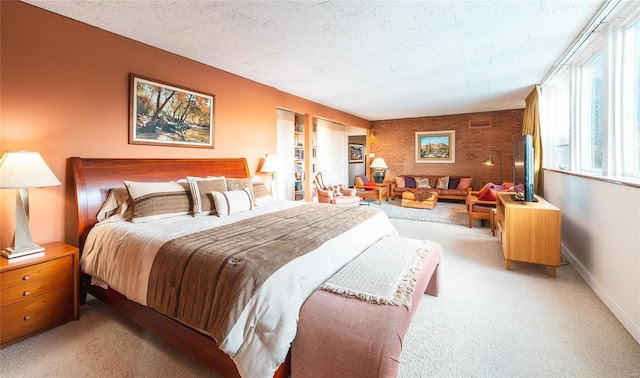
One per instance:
(385,273)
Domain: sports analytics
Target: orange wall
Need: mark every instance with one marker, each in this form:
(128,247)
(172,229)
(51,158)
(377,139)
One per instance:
(65,92)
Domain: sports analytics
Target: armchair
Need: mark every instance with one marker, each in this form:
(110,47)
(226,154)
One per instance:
(331,190)
(381,191)
(480,209)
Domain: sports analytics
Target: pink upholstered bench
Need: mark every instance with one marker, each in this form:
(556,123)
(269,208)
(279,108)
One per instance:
(335,335)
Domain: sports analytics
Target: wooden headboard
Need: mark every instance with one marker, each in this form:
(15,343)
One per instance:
(93,178)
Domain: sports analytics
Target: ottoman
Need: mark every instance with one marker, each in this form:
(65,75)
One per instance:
(409,200)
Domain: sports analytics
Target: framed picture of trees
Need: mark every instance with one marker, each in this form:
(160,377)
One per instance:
(436,146)
(166,115)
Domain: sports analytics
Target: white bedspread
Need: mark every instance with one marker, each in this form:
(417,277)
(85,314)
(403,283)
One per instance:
(121,255)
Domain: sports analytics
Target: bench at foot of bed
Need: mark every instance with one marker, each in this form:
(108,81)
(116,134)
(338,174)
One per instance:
(339,336)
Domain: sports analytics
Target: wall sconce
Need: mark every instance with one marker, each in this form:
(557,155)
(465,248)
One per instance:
(489,161)
(23,170)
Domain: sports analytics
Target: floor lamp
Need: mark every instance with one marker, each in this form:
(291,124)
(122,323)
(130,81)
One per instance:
(489,161)
(23,170)
(271,166)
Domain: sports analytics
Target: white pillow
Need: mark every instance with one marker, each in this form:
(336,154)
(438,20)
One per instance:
(232,202)
(116,207)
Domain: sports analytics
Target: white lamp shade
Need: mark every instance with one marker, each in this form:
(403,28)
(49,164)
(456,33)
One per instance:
(379,163)
(24,169)
(270,164)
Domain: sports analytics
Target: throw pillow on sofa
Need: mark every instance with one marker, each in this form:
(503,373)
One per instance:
(443,183)
(400,182)
(409,182)
(465,182)
(453,182)
(422,182)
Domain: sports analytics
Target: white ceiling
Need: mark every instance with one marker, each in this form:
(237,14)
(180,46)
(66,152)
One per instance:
(376,60)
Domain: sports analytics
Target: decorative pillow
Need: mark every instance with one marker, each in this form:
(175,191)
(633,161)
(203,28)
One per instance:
(443,182)
(465,182)
(117,206)
(260,190)
(370,185)
(422,182)
(241,183)
(400,181)
(201,189)
(484,188)
(453,182)
(231,202)
(409,182)
(159,200)
(488,195)
(336,189)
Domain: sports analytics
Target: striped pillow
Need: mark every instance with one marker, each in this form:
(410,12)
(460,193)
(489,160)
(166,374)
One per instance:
(241,183)
(201,189)
(232,202)
(159,200)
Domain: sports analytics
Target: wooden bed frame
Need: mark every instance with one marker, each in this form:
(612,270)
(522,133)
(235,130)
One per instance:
(93,178)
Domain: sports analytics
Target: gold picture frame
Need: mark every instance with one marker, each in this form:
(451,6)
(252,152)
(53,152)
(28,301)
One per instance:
(435,146)
(163,114)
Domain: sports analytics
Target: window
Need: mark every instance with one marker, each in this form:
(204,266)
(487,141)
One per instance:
(590,108)
(631,120)
(592,100)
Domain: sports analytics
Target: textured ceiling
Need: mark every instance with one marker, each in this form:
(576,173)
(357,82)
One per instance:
(376,60)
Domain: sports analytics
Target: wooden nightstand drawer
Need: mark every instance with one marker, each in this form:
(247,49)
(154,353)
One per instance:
(26,317)
(38,292)
(31,289)
(35,272)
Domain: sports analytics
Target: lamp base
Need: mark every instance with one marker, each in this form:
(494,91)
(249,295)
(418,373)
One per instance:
(11,253)
(378,177)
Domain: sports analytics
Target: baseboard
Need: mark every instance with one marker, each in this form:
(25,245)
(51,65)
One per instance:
(627,322)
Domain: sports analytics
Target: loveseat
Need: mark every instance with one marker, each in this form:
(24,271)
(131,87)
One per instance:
(447,187)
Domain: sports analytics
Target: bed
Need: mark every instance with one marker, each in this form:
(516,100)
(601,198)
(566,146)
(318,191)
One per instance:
(93,181)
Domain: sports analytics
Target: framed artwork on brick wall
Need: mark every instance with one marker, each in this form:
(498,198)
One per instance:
(435,146)
(163,114)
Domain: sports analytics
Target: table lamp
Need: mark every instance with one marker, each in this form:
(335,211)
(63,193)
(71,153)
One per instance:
(379,167)
(23,170)
(271,166)
(489,161)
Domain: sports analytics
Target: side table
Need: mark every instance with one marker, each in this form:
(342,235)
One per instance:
(38,292)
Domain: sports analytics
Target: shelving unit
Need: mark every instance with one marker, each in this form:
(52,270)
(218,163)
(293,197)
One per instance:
(528,231)
(299,176)
(313,160)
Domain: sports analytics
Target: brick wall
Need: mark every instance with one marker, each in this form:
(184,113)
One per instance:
(395,142)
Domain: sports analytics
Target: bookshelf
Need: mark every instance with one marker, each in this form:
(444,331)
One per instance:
(299,176)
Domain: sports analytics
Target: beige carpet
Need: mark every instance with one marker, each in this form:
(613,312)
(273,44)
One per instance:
(487,322)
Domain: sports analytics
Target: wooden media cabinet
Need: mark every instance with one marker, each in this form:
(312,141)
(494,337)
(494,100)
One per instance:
(528,231)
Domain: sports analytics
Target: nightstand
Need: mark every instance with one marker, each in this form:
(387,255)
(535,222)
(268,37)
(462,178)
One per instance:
(38,292)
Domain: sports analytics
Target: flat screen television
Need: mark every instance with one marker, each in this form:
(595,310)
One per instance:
(523,168)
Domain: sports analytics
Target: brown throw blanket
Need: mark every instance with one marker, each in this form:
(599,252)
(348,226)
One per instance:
(206,279)
(421,194)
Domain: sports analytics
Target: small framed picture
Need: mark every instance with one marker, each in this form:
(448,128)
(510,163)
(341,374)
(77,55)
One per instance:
(163,114)
(356,153)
